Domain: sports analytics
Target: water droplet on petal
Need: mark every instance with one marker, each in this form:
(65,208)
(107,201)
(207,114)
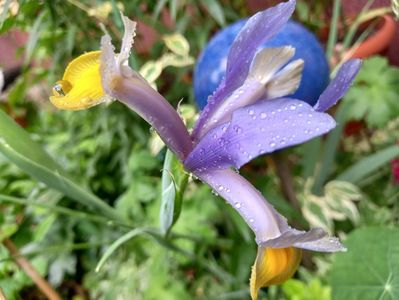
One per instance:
(237,205)
(263,115)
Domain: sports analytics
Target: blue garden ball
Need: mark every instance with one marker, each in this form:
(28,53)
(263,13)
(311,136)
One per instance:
(211,65)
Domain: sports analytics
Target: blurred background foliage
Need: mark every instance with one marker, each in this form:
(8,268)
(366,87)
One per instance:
(55,180)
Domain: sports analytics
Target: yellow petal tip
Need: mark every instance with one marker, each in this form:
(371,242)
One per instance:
(273,266)
(80,87)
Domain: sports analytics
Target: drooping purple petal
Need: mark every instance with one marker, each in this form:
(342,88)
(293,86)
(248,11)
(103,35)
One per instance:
(259,28)
(339,85)
(260,216)
(263,127)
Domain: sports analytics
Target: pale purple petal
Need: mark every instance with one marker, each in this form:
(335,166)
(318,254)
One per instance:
(126,85)
(260,215)
(339,85)
(315,239)
(259,28)
(263,127)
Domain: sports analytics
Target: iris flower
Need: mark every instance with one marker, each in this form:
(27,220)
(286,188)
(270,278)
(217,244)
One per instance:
(250,114)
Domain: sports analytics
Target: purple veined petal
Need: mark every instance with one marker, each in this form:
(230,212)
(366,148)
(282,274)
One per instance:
(260,215)
(339,85)
(270,76)
(263,127)
(259,28)
(315,239)
(325,244)
(124,84)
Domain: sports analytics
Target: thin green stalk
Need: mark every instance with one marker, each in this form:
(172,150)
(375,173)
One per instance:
(333,34)
(310,158)
(63,210)
(56,249)
(355,25)
(330,150)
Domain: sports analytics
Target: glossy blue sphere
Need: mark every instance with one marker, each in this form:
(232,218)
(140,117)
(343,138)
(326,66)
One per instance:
(211,65)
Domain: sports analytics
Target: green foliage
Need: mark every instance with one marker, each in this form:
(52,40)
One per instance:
(369,270)
(298,290)
(146,239)
(374,94)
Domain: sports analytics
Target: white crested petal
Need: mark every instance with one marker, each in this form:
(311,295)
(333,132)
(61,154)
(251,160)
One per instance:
(127,40)
(286,81)
(109,67)
(268,61)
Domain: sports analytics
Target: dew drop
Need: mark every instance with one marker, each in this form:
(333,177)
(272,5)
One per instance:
(292,107)
(237,129)
(263,115)
(237,205)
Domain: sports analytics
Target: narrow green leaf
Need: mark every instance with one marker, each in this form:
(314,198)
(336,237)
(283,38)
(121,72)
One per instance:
(158,8)
(310,157)
(173,9)
(216,11)
(19,140)
(333,34)
(330,150)
(123,239)
(58,209)
(355,25)
(34,35)
(3,15)
(174,182)
(168,194)
(368,165)
(16,146)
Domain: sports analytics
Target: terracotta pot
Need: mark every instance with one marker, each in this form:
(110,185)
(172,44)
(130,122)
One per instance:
(377,42)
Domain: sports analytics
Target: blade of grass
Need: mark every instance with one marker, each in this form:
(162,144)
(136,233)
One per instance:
(310,158)
(333,34)
(3,15)
(355,25)
(369,164)
(17,146)
(61,210)
(330,150)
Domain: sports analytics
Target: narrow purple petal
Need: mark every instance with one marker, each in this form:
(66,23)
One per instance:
(259,28)
(339,85)
(139,96)
(260,215)
(263,127)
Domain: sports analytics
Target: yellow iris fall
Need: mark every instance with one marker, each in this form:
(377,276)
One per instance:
(273,266)
(80,87)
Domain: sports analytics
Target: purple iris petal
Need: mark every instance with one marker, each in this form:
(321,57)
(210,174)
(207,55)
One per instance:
(263,127)
(339,85)
(260,215)
(259,28)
